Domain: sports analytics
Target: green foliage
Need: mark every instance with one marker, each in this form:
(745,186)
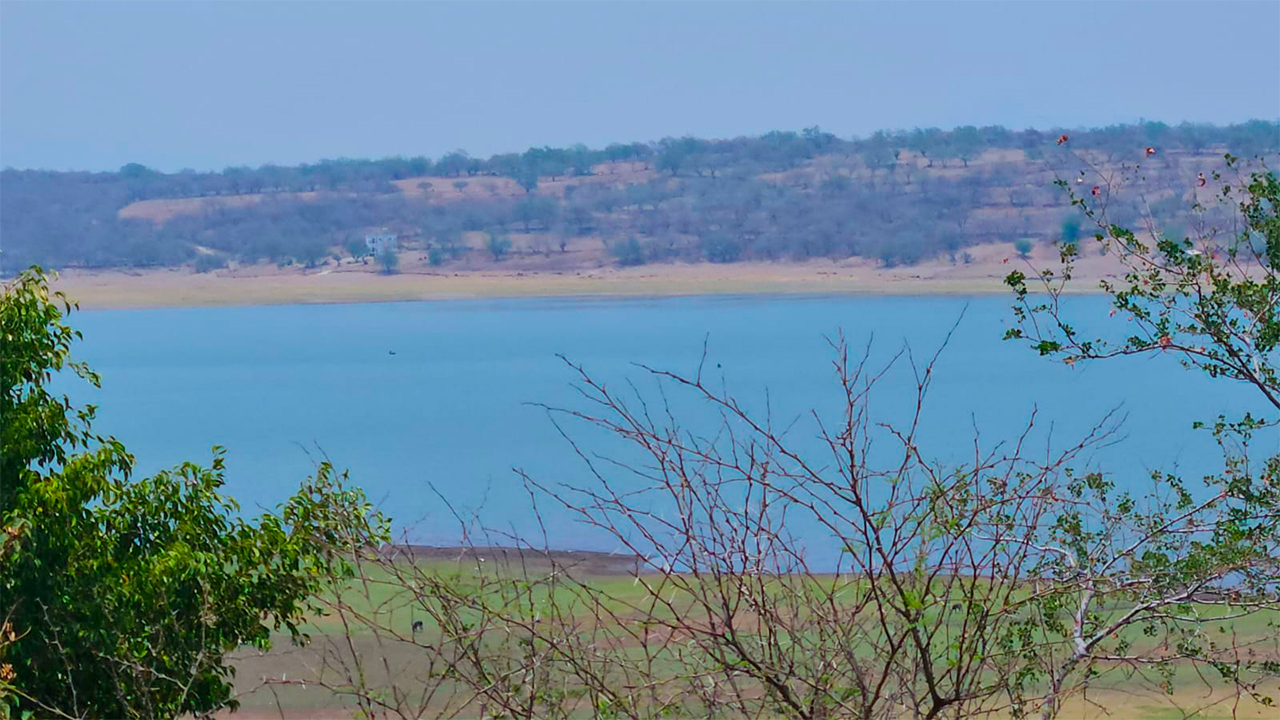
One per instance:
(134,171)
(389,261)
(498,246)
(676,154)
(862,194)
(124,596)
(721,248)
(536,211)
(628,253)
(208,262)
(1210,303)
(437,255)
(528,179)
(1024,246)
(357,248)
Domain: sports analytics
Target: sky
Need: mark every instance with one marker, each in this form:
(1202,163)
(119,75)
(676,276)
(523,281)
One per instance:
(178,85)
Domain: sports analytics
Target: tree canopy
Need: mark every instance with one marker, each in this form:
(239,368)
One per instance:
(122,596)
(895,196)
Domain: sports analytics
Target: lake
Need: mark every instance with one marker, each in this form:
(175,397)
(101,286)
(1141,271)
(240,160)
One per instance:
(280,386)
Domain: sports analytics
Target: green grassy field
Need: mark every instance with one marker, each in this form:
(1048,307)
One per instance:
(395,654)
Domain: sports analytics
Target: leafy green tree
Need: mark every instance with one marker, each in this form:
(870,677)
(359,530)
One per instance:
(437,255)
(539,210)
(966,143)
(122,597)
(527,178)
(454,163)
(673,156)
(357,248)
(879,152)
(133,171)
(498,246)
(923,141)
(1210,300)
(1023,246)
(389,261)
(207,262)
(629,252)
(1191,560)
(721,248)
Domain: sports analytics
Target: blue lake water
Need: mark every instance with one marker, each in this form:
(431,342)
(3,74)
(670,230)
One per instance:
(449,409)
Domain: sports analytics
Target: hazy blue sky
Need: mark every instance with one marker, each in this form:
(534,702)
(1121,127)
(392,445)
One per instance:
(174,85)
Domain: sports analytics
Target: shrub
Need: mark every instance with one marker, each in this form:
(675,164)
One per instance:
(208,262)
(629,252)
(498,246)
(721,248)
(357,248)
(389,262)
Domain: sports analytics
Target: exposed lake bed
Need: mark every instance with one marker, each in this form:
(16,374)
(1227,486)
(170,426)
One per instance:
(981,272)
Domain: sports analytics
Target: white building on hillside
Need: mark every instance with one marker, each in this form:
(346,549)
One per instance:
(380,242)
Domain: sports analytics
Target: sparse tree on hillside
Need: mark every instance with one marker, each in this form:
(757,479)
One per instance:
(629,252)
(541,211)
(966,143)
(528,179)
(498,246)
(674,154)
(454,163)
(879,153)
(77,219)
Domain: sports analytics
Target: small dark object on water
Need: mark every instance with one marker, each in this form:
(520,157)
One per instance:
(391,352)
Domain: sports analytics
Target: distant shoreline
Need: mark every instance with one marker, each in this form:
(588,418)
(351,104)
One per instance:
(180,287)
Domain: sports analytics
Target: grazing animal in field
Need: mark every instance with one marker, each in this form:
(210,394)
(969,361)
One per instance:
(417,626)
(1062,139)
(1200,181)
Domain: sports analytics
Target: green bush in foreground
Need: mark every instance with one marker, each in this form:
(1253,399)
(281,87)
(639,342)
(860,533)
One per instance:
(121,597)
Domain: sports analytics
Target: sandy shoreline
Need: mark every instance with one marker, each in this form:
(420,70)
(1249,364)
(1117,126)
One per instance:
(120,291)
(180,287)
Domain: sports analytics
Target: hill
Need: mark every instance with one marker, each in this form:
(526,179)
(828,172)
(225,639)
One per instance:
(895,198)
